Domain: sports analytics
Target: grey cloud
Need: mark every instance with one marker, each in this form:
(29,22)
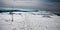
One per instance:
(54,0)
(2,3)
(44,4)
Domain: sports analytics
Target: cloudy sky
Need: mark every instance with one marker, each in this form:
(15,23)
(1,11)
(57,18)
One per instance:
(44,4)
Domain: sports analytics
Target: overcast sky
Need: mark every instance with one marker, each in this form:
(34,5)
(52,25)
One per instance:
(49,4)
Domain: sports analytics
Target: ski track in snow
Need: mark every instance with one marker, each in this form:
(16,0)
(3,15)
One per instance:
(28,21)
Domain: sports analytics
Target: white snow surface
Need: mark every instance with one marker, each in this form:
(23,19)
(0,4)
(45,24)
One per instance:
(29,21)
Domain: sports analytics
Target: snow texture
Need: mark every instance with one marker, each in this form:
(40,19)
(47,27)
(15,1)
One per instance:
(29,21)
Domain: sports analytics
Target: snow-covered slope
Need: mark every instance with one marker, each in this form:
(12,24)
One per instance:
(29,21)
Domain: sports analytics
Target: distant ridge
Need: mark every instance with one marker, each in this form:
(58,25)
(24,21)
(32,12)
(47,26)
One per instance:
(13,11)
(25,11)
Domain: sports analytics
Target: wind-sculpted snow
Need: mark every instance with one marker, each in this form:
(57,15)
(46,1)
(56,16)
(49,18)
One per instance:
(29,21)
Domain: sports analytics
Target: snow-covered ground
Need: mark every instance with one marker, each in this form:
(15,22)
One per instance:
(29,21)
